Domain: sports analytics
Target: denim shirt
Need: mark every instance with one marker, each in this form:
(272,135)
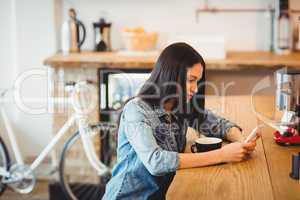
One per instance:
(149,140)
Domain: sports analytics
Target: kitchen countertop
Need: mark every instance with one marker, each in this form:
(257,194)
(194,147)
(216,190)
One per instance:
(233,61)
(264,176)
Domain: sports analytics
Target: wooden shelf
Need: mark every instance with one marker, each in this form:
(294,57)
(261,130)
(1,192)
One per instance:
(233,61)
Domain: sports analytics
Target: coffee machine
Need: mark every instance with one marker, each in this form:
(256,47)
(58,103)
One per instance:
(288,103)
(102,35)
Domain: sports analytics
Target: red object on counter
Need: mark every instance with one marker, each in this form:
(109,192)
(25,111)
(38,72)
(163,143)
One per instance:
(290,137)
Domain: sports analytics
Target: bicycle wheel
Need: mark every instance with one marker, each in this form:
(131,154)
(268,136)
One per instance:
(78,178)
(4,162)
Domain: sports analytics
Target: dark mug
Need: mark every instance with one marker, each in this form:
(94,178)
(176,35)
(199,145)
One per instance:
(206,144)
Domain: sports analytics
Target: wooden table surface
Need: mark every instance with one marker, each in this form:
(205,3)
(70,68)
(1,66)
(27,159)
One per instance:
(233,61)
(264,176)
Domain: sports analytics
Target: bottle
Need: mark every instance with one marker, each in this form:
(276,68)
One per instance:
(65,38)
(284,32)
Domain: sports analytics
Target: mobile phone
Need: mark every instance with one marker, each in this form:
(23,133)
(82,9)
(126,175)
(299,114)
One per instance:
(253,133)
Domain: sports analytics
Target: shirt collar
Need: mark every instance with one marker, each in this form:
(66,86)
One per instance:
(158,110)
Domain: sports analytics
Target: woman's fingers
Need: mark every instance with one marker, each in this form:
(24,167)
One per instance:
(258,134)
(250,146)
(250,150)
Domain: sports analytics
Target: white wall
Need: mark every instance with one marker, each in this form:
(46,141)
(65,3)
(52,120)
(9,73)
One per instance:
(7,66)
(7,53)
(247,31)
(27,37)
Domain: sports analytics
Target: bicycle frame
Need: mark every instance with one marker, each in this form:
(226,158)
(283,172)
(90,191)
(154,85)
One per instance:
(80,119)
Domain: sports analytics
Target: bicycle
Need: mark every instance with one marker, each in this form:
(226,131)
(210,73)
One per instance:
(20,176)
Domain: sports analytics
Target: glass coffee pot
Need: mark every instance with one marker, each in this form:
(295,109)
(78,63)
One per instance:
(102,38)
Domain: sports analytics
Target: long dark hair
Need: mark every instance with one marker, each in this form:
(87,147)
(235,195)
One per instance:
(171,67)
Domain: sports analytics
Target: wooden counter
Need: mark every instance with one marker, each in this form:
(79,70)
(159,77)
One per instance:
(265,176)
(234,60)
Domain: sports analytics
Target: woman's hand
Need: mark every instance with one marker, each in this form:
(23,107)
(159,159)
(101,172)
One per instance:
(238,151)
(252,144)
(234,152)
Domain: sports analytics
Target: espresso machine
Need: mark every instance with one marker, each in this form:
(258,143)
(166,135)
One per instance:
(288,103)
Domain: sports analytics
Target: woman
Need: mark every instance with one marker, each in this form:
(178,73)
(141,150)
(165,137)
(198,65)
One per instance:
(152,129)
